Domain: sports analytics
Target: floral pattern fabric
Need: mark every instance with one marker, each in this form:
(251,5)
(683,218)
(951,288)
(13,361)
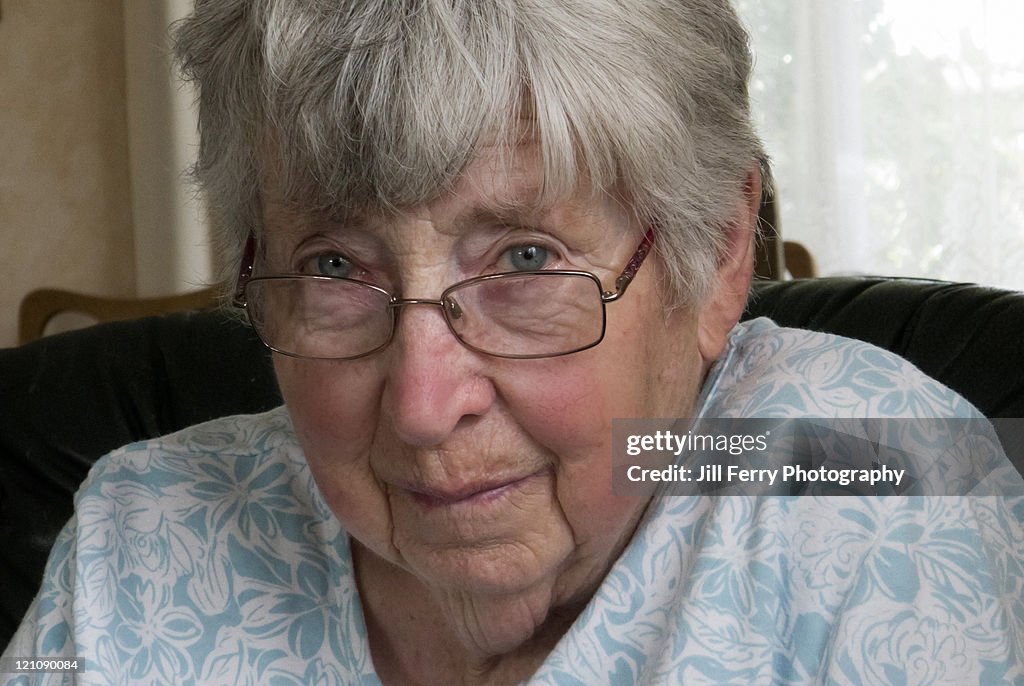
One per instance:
(209,557)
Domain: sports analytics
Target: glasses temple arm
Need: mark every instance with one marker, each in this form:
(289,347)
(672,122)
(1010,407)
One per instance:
(244,271)
(626,277)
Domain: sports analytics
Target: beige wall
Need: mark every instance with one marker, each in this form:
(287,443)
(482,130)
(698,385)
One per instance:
(65,196)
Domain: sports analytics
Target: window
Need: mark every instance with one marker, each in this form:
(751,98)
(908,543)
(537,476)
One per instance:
(896,130)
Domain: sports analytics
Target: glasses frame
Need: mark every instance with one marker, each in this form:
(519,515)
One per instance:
(622,282)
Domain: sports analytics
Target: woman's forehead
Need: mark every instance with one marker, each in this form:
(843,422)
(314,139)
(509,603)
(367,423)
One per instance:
(499,187)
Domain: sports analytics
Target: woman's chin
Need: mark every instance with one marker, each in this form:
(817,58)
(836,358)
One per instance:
(498,572)
(493,615)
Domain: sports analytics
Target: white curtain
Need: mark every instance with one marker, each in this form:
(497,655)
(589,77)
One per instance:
(896,129)
(172,245)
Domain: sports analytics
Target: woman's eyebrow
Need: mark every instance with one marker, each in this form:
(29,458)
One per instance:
(496,217)
(517,206)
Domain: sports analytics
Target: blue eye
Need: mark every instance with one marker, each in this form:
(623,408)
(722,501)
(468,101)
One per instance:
(333,264)
(528,257)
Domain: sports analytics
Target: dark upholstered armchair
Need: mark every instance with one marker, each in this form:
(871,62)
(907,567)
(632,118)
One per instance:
(66,400)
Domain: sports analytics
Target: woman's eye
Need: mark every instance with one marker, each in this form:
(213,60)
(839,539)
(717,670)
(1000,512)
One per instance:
(528,257)
(333,264)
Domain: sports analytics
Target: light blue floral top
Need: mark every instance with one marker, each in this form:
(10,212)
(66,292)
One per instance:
(209,557)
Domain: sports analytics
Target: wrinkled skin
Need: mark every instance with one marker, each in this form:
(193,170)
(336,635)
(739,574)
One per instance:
(477,489)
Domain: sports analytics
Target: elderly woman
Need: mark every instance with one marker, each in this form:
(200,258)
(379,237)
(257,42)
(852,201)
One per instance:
(474,233)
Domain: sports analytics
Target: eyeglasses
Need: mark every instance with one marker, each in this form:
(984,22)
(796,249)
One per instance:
(520,315)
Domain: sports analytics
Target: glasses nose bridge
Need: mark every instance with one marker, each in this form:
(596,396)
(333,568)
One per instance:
(450,309)
(450,312)
(402,302)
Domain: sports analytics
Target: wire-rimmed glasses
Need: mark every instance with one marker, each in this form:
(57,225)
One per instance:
(520,315)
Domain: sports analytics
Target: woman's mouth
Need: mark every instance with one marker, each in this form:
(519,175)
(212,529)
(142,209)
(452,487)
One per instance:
(471,494)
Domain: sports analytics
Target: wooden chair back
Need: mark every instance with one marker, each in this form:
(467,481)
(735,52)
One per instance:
(39,307)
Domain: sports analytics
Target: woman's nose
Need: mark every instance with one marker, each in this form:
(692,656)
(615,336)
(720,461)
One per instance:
(433,381)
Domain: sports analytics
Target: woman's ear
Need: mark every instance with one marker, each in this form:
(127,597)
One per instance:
(719,314)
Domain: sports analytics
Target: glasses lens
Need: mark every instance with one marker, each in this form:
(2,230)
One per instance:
(319,317)
(528,315)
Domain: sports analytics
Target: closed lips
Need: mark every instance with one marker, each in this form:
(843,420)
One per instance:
(438,497)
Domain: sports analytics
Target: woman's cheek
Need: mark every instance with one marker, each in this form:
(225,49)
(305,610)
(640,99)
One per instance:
(334,412)
(332,403)
(568,407)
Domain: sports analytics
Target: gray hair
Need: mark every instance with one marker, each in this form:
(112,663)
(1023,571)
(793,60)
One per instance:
(380,105)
